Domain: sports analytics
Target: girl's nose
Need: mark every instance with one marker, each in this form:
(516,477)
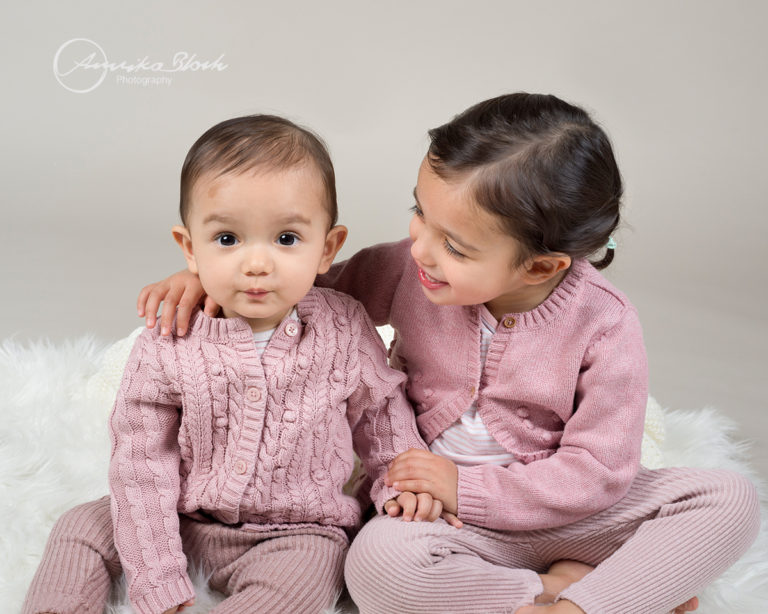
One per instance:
(419,238)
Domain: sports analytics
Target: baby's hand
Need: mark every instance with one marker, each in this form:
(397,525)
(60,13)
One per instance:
(179,608)
(180,294)
(414,507)
(421,471)
(419,507)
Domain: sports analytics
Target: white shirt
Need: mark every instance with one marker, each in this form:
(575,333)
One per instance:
(467,441)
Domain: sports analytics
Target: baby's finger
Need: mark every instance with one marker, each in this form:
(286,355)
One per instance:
(423,506)
(392,508)
(407,501)
(437,509)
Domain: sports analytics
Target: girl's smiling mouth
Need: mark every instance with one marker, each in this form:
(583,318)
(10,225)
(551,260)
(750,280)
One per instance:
(430,282)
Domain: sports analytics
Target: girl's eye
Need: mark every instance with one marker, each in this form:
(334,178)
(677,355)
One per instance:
(416,210)
(452,250)
(226,240)
(287,239)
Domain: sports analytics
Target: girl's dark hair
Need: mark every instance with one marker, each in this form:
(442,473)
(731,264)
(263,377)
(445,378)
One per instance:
(256,141)
(542,166)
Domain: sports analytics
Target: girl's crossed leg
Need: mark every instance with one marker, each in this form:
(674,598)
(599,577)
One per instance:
(673,533)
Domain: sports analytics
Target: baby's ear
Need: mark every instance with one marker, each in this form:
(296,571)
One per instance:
(333,242)
(182,237)
(544,267)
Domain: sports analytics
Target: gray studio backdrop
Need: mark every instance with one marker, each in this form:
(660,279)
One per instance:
(101,101)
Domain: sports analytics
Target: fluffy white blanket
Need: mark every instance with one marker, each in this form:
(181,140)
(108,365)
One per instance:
(54,452)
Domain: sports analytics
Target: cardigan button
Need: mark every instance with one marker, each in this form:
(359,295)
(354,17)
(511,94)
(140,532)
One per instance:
(291,329)
(241,467)
(509,322)
(253,394)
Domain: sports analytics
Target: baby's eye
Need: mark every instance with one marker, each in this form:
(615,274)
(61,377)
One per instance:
(226,240)
(416,210)
(287,239)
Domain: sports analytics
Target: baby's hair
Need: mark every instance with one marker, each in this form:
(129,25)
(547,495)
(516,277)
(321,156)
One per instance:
(539,164)
(256,142)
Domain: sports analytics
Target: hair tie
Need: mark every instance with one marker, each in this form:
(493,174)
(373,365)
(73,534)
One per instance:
(611,243)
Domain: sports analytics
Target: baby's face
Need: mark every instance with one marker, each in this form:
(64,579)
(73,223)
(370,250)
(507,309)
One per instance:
(258,239)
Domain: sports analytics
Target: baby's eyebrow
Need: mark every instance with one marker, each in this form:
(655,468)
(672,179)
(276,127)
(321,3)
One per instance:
(296,218)
(217,217)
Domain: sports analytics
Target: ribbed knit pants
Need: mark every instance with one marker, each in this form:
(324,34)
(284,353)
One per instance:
(674,532)
(293,570)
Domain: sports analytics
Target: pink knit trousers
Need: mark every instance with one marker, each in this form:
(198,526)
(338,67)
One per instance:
(674,532)
(294,570)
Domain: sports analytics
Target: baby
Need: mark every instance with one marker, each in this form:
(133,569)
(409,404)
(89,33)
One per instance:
(231,445)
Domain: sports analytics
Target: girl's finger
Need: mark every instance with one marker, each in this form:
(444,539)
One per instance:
(211,308)
(152,306)
(187,303)
(414,486)
(170,302)
(452,519)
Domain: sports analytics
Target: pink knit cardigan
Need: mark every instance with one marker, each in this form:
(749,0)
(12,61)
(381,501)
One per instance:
(564,387)
(202,423)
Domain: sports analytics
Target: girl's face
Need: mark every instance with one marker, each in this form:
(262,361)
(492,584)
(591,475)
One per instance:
(463,256)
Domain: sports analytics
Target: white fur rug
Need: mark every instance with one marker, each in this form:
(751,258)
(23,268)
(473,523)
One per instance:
(54,452)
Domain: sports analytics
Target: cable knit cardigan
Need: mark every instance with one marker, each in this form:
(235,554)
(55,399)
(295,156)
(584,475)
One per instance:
(202,423)
(564,387)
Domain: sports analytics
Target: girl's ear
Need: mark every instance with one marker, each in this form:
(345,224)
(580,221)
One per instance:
(333,242)
(181,235)
(544,267)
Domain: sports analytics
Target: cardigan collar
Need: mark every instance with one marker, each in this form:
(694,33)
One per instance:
(558,301)
(237,329)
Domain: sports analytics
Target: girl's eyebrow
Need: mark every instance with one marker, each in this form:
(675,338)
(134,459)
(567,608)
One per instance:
(464,245)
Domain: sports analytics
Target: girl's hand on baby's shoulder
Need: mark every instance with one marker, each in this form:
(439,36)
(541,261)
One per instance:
(180,294)
(421,471)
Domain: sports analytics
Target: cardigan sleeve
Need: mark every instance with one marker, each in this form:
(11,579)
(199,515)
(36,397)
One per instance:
(382,420)
(144,480)
(598,456)
(371,276)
